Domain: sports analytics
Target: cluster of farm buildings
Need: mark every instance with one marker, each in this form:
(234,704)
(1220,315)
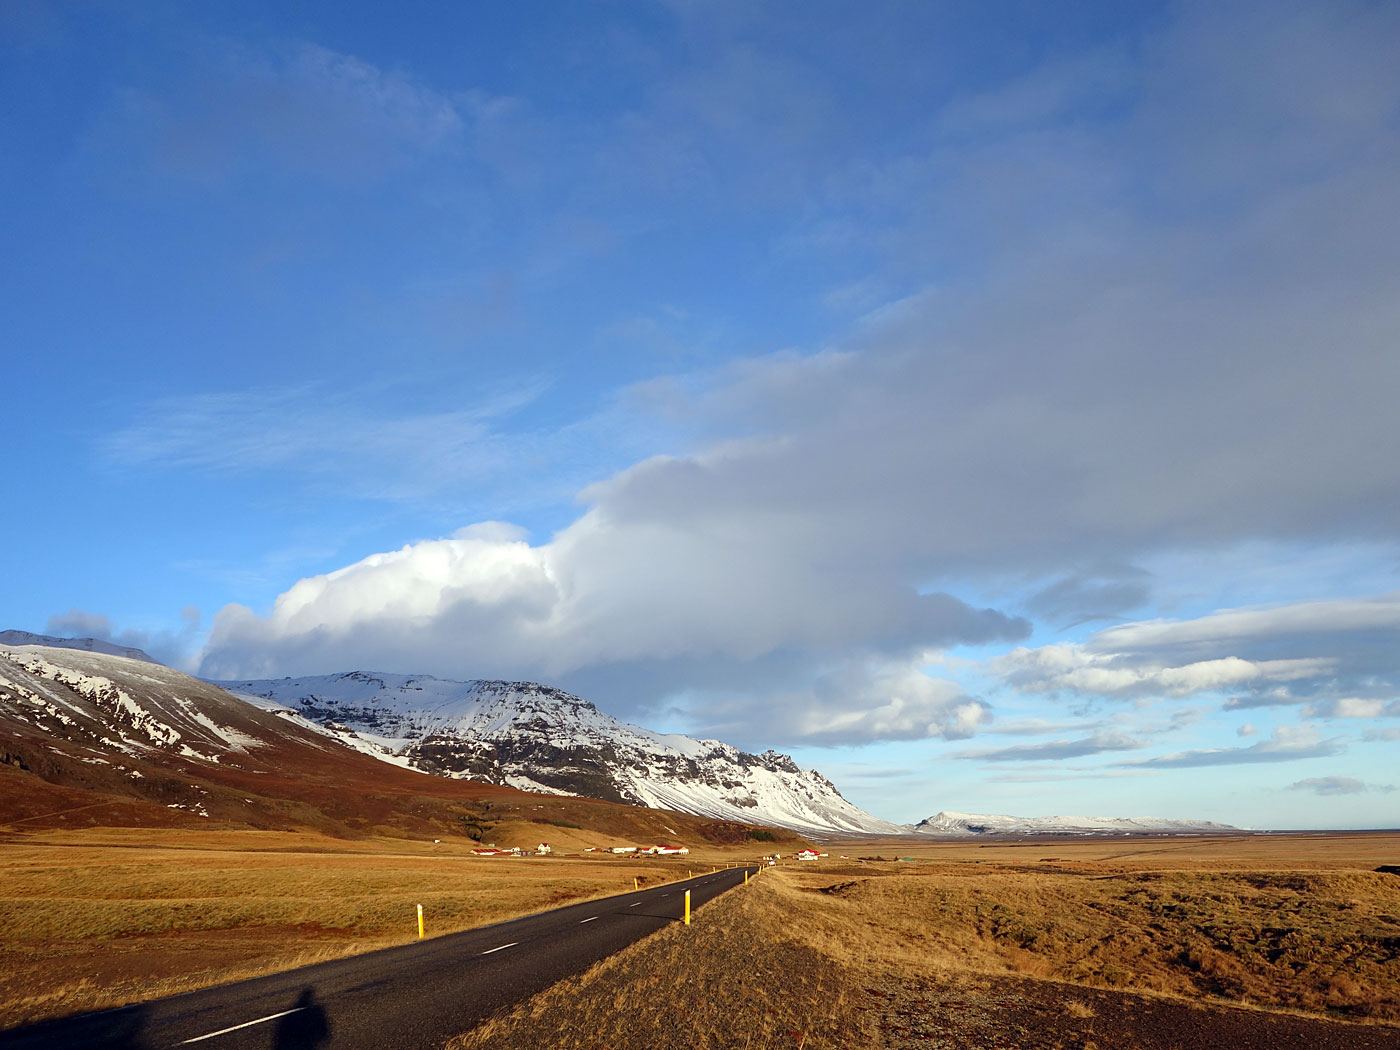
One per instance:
(659,850)
(653,851)
(543,849)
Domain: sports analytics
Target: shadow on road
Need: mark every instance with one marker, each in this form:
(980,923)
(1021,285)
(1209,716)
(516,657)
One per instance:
(112,1030)
(305,1028)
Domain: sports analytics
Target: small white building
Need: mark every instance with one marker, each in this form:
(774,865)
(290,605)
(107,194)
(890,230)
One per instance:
(543,847)
(624,849)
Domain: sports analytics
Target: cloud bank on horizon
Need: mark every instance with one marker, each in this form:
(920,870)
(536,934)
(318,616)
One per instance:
(1052,400)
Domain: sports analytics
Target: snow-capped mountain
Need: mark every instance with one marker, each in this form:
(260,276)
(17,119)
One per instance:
(543,739)
(961,825)
(90,738)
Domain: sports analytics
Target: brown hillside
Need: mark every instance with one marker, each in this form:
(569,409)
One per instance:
(98,740)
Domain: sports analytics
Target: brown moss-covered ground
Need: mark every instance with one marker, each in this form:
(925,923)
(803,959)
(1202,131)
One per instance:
(978,1012)
(1088,953)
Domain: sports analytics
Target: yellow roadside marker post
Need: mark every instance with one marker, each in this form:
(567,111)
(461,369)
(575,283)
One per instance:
(687,907)
(420,922)
(746,876)
(635,884)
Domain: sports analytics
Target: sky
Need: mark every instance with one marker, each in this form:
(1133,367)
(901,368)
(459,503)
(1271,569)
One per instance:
(993,405)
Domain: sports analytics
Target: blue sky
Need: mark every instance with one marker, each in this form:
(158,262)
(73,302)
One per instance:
(990,404)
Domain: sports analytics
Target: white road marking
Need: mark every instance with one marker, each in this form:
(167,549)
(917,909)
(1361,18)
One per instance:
(634,905)
(512,944)
(245,1024)
(589,919)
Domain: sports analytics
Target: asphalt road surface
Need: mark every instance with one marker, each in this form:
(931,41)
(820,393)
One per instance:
(413,997)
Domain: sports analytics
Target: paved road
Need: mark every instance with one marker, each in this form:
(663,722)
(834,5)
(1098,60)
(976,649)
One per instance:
(412,997)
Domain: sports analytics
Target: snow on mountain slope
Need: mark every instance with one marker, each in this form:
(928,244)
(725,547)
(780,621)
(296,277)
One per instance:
(970,824)
(95,739)
(543,739)
(115,704)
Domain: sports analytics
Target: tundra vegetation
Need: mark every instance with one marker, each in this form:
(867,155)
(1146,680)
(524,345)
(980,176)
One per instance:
(1079,944)
(1080,937)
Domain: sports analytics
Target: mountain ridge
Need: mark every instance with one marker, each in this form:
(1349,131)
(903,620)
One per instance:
(85,645)
(541,738)
(93,739)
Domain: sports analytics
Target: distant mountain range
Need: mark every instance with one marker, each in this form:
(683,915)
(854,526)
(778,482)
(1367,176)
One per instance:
(538,738)
(83,713)
(971,825)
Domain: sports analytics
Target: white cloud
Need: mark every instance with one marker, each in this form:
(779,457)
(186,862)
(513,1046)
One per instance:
(1039,727)
(1078,669)
(1351,707)
(1111,383)
(856,703)
(79,623)
(1337,786)
(302,109)
(176,647)
(1322,656)
(1048,91)
(1288,744)
(1238,627)
(630,612)
(1055,750)
(329,438)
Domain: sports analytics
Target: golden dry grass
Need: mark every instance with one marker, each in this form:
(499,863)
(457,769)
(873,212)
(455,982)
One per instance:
(1303,850)
(1311,940)
(95,920)
(738,977)
(784,961)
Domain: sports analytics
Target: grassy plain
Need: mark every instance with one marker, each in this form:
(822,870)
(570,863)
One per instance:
(813,954)
(1289,927)
(100,918)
